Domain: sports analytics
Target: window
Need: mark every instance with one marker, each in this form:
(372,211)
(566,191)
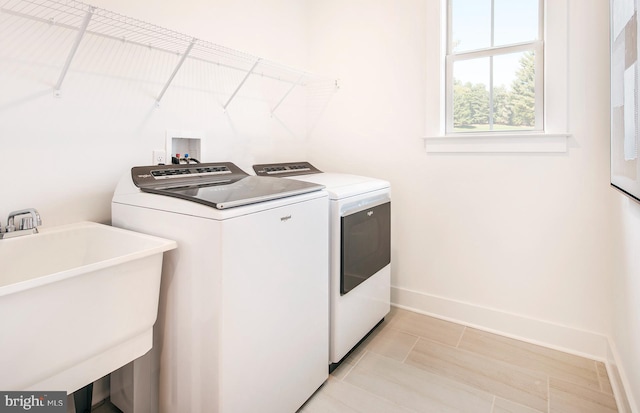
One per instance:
(494,66)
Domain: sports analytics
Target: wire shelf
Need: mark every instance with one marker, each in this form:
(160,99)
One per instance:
(87,19)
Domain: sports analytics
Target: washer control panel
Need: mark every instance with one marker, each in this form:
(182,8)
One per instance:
(157,176)
(193,171)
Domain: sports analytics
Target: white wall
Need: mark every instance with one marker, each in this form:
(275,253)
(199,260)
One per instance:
(64,156)
(521,234)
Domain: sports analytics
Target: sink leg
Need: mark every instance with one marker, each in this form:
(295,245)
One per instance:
(82,399)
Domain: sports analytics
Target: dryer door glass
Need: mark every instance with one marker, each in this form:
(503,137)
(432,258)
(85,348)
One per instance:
(365,245)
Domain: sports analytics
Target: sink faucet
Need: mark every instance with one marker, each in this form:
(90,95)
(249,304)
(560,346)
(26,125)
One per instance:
(28,225)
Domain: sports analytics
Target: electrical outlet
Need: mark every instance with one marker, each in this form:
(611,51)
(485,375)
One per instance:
(159,158)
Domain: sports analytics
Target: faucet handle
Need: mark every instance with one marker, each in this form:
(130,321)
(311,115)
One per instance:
(26,223)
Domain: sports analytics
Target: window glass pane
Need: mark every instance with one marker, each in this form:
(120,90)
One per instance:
(471,25)
(471,95)
(516,21)
(511,103)
(514,91)
(497,91)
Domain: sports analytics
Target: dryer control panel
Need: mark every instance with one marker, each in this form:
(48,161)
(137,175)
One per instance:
(285,169)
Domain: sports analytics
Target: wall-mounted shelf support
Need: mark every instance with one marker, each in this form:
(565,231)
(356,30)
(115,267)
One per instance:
(74,49)
(241,83)
(175,71)
(293,86)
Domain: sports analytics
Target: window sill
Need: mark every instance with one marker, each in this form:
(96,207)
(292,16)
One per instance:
(498,143)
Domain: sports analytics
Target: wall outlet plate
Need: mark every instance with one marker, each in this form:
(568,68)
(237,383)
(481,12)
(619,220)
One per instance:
(159,157)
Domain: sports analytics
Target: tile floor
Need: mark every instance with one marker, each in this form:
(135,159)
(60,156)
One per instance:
(414,363)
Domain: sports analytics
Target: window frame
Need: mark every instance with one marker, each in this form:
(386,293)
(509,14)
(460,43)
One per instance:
(556,134)
(536,46)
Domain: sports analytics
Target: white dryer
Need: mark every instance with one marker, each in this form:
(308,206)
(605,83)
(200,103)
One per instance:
(359,251)
(243,314)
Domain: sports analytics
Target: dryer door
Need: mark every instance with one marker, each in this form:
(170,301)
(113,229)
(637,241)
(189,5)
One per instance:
(365,244)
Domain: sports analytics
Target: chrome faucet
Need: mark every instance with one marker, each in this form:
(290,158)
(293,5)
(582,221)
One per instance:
(28,225)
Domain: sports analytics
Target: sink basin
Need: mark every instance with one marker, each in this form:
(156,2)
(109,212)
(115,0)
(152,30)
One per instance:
(76,302)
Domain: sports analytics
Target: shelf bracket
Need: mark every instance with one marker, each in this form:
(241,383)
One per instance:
(175,71)
(241,83)
(287,94)
(74,49)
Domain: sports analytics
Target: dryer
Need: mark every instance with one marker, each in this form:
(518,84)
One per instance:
(243,314)
(359,251)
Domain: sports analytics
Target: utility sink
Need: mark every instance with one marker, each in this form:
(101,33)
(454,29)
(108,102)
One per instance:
(76,302)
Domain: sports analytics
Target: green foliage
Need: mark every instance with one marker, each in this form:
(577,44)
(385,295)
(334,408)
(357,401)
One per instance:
(502,110)
(461,108)
(514,106)
(523,93)
(470,104)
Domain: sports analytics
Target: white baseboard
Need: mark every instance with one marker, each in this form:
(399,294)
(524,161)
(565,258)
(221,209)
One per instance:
(619,382)
(564,338)
(545,333)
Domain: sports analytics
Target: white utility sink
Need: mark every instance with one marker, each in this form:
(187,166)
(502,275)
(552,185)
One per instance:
(76,302)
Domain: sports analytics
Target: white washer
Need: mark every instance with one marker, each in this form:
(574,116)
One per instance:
(360,262)
(243,314)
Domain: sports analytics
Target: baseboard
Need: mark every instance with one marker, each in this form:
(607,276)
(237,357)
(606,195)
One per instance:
(619,382)
(545,333)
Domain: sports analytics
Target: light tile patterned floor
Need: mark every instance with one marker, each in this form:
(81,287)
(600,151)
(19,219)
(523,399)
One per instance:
(414,363)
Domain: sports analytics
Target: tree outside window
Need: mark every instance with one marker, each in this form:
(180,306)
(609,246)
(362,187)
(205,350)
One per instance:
(494,84)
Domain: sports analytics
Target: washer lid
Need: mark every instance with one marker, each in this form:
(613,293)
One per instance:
(221,185)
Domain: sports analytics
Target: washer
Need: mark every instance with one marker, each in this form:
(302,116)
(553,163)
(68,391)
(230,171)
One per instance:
(360,253)
(243,314)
